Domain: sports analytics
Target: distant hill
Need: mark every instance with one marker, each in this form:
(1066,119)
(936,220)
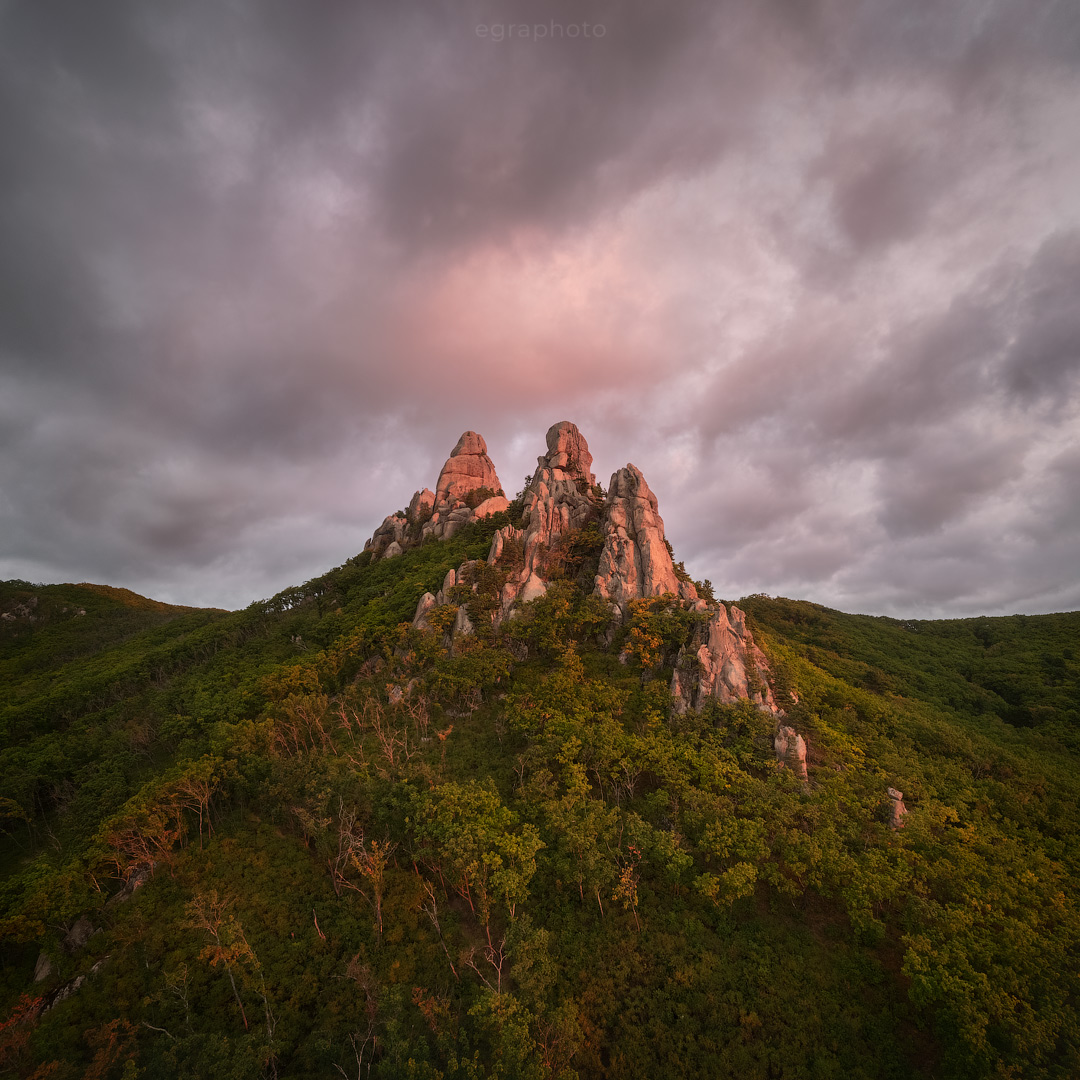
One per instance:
(509,795)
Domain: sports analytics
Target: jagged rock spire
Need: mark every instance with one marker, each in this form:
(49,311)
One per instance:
(442,512)
(562,495)
(467,468)
(723,662)
(635,561)
(569,452)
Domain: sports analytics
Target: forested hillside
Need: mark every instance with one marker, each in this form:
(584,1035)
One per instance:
(312,839)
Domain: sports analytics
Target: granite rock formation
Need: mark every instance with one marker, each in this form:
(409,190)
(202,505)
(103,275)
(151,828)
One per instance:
(635,562)
(562,495)
(897,809)
(442,512)
(790,749)
(467,468)
(723,662)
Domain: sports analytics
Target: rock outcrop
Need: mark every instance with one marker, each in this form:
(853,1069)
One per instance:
(897,809)
(454,502)
(790,749)
(722,662)
(391,531)
(562,495)
(467,468)
(635,561)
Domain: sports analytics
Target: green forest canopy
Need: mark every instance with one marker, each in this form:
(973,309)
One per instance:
(358,848)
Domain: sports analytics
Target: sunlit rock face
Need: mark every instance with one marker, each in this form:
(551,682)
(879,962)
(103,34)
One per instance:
(421,505)
(897,809)
(735,667)
(722,662)
(467,468)
(391,531)
(440,513)
(561,496)
(635,561)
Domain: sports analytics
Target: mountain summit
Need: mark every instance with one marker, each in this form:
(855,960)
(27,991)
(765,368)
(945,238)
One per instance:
(561,509)
(549,823)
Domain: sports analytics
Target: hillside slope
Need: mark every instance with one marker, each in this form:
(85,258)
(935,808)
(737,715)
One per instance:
(313,838)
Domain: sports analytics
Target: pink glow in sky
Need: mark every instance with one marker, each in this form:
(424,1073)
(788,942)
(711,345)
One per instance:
(813,268)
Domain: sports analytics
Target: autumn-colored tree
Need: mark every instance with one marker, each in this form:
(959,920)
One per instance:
(16,1030)
(113,1043)
(147,831)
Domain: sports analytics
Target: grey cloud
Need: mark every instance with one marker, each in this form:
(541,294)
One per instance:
(930,369)
(262,264)
(1045,359)
(947,474)
(887,194)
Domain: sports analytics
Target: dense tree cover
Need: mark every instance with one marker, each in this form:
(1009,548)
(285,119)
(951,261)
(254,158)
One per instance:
(316,841)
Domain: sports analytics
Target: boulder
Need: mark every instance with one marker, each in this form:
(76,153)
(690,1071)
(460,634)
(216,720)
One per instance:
(81,932)
(43,968)
(790,749)
(533,588)
(391,531)
(427,602)
(495,505)
(897,809)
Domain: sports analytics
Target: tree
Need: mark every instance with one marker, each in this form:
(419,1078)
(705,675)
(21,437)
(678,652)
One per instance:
(488,854)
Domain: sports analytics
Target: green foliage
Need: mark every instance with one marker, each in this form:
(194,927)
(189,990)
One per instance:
(563,616)
(316,840)
(575,556)
(658,627)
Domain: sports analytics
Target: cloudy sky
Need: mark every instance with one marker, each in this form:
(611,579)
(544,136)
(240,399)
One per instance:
(812,265)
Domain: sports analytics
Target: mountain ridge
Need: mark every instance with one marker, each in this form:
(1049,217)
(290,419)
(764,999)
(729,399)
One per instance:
(341,829)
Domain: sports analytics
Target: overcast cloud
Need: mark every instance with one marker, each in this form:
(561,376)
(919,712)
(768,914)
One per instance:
(814,267)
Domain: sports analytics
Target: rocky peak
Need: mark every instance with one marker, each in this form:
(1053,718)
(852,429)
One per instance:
(636,562)
(723,661)
(569,452)
(440,513)
(561,496)
(467,468)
